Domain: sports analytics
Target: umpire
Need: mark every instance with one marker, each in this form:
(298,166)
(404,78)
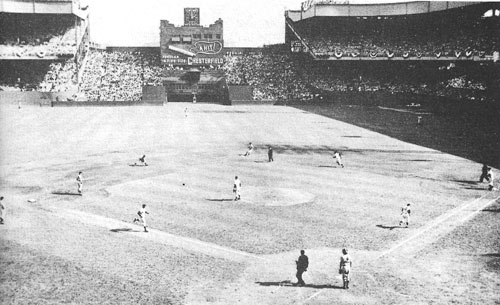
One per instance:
(302,264)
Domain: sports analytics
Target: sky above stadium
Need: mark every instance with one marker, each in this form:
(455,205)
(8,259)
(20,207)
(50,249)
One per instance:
(247,23)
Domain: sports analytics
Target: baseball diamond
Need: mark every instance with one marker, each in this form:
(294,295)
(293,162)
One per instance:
(354,162)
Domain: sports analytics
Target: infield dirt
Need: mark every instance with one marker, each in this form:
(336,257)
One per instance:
(203,247)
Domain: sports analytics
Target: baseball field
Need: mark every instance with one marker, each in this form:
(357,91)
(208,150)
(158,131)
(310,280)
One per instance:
(204,248)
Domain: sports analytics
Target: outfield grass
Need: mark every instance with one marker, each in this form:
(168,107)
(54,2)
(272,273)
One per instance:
(205,248)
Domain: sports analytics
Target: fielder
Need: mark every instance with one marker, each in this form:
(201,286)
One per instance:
(142,217)
(491,178)
(405,215)
(302,263)
(142,160)
(79,181)
(2,211)
(345,268)
(484,173)
(270,154)
(237,188)
(250,150)
(338,157)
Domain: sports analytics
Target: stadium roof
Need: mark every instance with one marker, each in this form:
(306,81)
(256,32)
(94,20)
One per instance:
(42,7)
(325,8)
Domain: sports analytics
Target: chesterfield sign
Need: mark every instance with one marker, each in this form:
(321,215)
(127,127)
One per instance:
(207,47)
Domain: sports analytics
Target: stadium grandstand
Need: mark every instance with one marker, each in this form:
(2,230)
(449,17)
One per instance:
(43,44)
(332,51)
(398,31)
(422,49)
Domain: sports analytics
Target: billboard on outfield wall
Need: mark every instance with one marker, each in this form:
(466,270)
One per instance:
(192,44)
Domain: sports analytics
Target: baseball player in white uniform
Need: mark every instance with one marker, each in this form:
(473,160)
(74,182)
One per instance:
(237,188)
(338,158)
(250,149)
(142,217)
(345,268)
(405,215)
(491,178)
(79,181)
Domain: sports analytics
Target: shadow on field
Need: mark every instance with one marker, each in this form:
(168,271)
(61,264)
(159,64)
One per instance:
(302,149)
(328,166)
(220,200)
(491,210)
(476,188)
(289,284)
(389,227)
(465,181)
(450,124)
(62,193)
(491,254)
(261,161)
(118,230)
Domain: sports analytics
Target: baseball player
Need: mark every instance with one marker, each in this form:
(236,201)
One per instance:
(345,268)
(2,211)
(484,173)
(270,154)
(405,215)
(338,157)
(237,188)
(491,178)
(302,263)
(79,181)
(250,149)
(142,160)
(142,217)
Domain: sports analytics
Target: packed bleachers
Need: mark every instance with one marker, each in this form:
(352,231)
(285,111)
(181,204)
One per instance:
(38,35)
(467,81)
(119,76)
(434,35)
(272,75)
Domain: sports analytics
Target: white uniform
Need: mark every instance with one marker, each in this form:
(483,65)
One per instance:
(249,151)
(237,189)
(79,181)
(491,178)
(338,158)
(405,215)
(345,269)
(142,216)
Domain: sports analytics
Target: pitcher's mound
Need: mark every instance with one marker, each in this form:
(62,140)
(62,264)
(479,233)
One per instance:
(275,196)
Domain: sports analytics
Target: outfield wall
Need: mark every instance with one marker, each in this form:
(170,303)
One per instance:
(104,103)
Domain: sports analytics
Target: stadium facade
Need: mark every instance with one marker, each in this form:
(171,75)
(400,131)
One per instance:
(440,30)
(192,44)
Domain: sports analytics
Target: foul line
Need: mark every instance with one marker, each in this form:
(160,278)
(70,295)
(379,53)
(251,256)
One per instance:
(440,219)
(159,236)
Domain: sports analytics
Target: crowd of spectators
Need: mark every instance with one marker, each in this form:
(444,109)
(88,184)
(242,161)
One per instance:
(119,76)
(36,37)
(60,77)
(430,80)
(402,38)
(272,75)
